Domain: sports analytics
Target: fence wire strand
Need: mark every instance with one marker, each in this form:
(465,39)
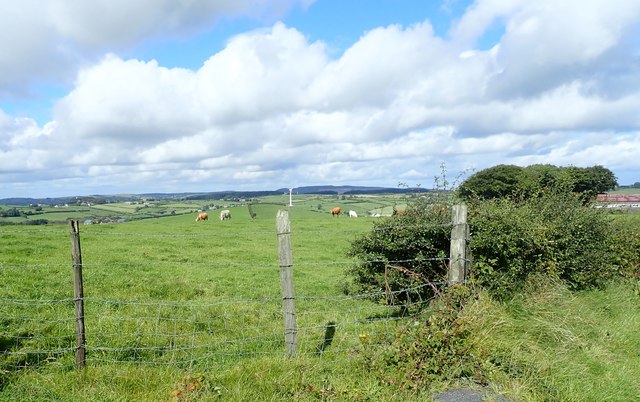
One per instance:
(206,333)
(160,332)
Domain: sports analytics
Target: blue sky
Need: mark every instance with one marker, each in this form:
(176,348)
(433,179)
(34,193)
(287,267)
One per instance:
(115,96)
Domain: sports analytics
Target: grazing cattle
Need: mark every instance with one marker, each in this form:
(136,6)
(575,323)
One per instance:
(335,211)
(225,214)
(353,214)
(202,217)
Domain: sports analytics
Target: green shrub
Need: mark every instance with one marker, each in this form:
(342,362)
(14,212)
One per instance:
(554,234)
(625,246)
(401,252)
(433,347)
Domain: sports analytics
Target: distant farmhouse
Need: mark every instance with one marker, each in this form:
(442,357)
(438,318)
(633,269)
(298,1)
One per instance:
(618,201)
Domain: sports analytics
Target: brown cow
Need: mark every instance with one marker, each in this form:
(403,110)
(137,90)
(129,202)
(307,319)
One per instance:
(202,217)
(335,211)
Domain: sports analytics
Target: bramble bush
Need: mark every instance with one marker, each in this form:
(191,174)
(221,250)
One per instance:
(625,248)
(554,234)
(553,237)
(403,251)
(434,346)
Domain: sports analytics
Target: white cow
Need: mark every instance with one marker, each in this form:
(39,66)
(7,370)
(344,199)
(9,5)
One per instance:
(353,214)
(225,214)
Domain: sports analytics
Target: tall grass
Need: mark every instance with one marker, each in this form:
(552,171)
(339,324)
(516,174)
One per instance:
(552,344)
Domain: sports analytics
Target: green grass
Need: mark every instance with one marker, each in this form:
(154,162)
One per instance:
(192,311)
(169,296)
(321,204)
(629,190)
(551,344)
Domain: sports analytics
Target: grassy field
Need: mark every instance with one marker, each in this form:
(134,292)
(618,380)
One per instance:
(364,205)
(182,310)
(169,296)
(629,190)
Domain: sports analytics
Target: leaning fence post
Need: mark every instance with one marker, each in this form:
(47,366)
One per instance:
(286,280)
(78,293)
(458,258)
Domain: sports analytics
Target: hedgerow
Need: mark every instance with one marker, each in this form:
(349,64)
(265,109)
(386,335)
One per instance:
(433,347)
(554,235)
(402,251)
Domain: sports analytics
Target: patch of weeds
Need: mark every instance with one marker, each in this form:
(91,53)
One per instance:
(433,347)
(192,387)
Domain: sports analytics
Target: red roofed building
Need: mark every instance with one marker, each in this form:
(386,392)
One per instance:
(618,201)
(618,198)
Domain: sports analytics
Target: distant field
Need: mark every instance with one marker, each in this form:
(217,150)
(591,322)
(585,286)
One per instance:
(625,191)
(363,205)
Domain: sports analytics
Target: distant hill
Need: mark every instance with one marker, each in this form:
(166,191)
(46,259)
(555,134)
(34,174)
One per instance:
(29,201)
(350,190)
(98,199)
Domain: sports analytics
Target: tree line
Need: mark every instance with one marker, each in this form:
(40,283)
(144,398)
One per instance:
(523,182)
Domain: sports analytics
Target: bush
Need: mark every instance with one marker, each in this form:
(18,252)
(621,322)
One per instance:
(36,222)
(401,252)
(435,346)
(509,180)
(554,234)
(625,247)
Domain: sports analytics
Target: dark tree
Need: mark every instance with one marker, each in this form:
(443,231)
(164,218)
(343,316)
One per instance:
(12,212)
(495,182)
(513,181)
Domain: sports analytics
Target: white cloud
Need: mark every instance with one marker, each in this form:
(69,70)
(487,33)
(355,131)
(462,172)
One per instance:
(548,42)
(48,40)
(130,101)
(273,107)
(257,74)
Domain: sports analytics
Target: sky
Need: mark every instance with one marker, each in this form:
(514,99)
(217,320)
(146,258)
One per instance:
(138,96)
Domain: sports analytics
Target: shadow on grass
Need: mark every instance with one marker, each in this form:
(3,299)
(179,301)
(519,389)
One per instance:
(329,333)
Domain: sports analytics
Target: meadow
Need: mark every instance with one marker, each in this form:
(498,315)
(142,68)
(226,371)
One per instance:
(176,296)
(182,310)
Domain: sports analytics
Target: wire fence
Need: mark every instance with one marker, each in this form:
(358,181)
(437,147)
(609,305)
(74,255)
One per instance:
(205,333)
(38,325)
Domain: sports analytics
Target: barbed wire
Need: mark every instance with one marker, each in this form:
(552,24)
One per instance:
(88,230)
(209,303)
(152,336)
(35,266)
(157,332)
(34,301)
(34,229)
(298,263)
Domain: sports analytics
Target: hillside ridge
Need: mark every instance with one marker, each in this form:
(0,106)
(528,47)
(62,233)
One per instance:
(103,198)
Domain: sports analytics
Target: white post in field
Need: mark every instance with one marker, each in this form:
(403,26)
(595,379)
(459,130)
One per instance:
(290,198)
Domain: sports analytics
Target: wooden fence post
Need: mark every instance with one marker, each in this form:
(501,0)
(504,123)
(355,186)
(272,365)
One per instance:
(458,252)
(78,293)
(283,229)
